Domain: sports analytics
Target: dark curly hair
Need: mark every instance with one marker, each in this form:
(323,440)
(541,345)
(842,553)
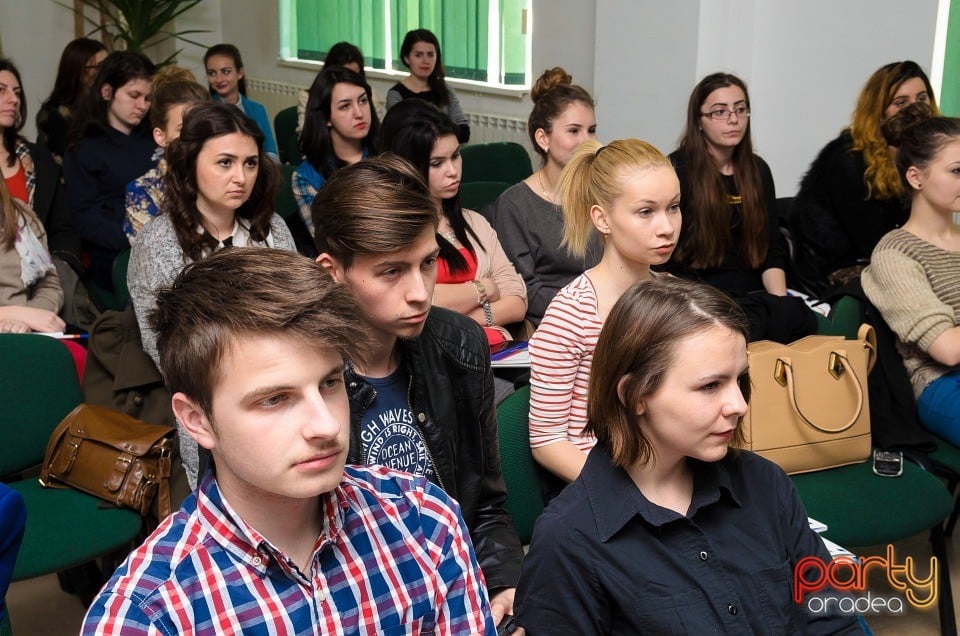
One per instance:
(201,122)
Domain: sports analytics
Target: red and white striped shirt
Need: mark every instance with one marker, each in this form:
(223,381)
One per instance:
(561,353)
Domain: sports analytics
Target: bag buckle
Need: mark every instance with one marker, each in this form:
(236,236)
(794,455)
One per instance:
(835,365)
(780,372)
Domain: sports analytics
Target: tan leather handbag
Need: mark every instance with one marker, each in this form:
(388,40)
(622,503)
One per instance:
(112,456)
(809,408)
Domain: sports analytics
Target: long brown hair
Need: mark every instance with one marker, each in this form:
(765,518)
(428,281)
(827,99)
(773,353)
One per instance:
(438,79)
(881,176)
(706,233)
(9,217)
(203,121)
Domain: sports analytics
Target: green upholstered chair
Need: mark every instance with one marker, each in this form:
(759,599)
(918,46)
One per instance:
(499,161)
(285,204)
(862,509)
(65,527)
(524,500)
(477,195)
(285,127)
(946,460)
(120,291)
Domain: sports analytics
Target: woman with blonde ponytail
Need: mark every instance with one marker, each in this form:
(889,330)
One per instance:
(628,193)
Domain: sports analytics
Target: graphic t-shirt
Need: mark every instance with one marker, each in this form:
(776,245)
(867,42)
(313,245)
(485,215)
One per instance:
(390,434)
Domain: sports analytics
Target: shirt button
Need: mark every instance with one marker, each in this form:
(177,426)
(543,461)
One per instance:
(353,385)
(421,417)
(733,609)
(321,595)
(257,561)
(704,556)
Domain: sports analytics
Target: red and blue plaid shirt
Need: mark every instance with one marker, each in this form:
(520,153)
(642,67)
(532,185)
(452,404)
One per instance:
(395,558)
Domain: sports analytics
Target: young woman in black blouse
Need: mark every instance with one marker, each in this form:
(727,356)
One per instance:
(731,237)
(667,530)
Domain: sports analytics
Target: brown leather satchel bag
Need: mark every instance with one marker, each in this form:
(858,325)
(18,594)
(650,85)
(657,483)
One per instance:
(112,456)
(809,408)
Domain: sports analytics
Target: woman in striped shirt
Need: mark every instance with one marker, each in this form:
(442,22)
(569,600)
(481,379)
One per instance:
(628,192)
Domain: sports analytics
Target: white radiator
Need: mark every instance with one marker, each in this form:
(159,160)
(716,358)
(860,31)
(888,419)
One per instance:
(484,127)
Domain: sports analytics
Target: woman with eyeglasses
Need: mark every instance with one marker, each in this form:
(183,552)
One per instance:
(731,237)
(852,194)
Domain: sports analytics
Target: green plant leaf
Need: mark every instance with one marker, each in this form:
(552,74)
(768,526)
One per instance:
(139,24)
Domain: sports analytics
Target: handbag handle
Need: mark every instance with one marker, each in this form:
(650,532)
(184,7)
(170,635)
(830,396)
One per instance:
(837,366)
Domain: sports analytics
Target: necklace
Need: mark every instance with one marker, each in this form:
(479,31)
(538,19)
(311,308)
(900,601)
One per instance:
(548,197)
(447,232)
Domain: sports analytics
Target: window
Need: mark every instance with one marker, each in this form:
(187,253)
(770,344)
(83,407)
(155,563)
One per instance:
(481,40)
(946,57)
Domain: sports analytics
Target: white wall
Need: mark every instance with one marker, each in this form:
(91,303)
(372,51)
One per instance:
(645,65)
(804,60)
(810,60)
(804,63)
(33,35)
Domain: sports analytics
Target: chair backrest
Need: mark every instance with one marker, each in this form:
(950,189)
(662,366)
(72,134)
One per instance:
(285,204)
(499,161)
(285,127)
(38,388)
(477,195)
(120,291)
(524,498)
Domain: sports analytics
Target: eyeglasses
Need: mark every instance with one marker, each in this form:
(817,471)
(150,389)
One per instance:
(92,66)
(722,114)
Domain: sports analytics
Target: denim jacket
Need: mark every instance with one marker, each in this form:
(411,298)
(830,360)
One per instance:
(451,397)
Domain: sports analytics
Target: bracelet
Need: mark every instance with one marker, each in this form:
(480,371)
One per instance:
(487,313)
(481,290)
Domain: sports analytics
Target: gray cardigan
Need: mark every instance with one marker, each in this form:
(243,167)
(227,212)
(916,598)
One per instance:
(530,229)
(155,260)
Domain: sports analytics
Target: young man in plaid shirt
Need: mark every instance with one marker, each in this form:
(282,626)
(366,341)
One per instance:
(281,537)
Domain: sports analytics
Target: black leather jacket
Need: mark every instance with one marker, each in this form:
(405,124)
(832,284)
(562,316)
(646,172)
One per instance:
(451,397)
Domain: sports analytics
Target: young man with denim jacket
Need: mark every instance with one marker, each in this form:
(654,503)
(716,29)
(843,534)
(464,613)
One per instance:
(423,402)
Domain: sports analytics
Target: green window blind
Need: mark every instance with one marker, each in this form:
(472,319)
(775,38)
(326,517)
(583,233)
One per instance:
(467,37)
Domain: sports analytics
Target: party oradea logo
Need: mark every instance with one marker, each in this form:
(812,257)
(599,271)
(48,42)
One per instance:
(841,585)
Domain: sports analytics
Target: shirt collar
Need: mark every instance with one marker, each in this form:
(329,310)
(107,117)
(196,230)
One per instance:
(242,540)
(615,499)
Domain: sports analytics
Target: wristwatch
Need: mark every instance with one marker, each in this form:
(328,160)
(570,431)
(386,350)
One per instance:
(481,290)
(487,313)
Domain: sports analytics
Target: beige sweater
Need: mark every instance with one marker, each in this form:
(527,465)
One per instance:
(916,287)
(45,293)
(492,261)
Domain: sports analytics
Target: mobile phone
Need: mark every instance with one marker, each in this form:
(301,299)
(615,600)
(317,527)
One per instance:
(506,626)
(887,463)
